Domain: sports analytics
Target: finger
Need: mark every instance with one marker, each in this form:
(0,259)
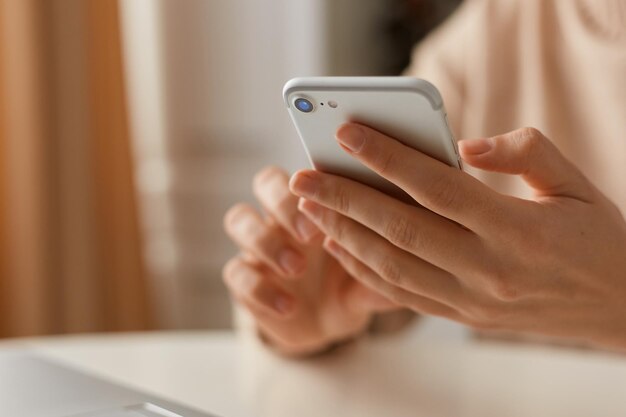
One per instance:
(397,267)
(433,184)
(250,259)
(398,296)
(251,288)
(268,244)
(414,229)
(271,187)
(360,298)
(528,153)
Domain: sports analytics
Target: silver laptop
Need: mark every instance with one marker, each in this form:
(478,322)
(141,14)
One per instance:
(31,386)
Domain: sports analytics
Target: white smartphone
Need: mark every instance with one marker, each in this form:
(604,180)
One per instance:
(406,108)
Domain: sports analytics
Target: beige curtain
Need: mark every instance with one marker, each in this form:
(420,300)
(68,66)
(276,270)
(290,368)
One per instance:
(70,253)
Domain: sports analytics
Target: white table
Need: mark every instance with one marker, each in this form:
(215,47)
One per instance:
(386,377)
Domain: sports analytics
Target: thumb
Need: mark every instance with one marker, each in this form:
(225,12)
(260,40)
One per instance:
(362,299)
(528,153)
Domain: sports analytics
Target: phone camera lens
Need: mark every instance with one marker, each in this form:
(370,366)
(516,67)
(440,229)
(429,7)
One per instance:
(304,105)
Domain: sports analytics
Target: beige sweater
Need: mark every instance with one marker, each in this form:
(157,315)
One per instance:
(557,65)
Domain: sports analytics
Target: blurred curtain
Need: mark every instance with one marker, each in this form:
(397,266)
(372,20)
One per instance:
(70,253)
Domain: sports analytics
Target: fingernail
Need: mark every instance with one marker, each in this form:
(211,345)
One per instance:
(306,229)
(304,185)
(476,146)
(283,304)
(351,137)
(312,210)
(290,261)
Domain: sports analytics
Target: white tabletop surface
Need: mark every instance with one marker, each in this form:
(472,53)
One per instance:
(390,376)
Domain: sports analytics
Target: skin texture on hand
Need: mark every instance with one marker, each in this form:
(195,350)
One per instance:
(302,299)
(552,265)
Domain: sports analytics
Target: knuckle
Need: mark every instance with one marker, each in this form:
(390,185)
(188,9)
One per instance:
(267,175)
(271,187)
(503,287)
(229,269)
(531,143)
(386,162)
(530,133)
(250,287)
(390,271)
(284,203)
(338,226)
(239,279)
(442,193)
(263,238)
(255,290)
(234,216)
(401,232)
(341,200)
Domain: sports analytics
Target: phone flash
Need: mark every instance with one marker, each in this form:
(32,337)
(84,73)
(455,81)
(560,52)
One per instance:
(332,104)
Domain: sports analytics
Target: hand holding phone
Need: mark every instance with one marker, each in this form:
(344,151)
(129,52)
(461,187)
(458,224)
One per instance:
(408,109)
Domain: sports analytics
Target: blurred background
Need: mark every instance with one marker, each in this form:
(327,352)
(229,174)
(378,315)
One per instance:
(128,127)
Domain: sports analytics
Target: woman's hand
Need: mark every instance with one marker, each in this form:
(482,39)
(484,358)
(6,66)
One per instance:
(554,265)
(302,299)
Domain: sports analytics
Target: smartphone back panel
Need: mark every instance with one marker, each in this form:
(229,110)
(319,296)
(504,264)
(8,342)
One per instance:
(408,109)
